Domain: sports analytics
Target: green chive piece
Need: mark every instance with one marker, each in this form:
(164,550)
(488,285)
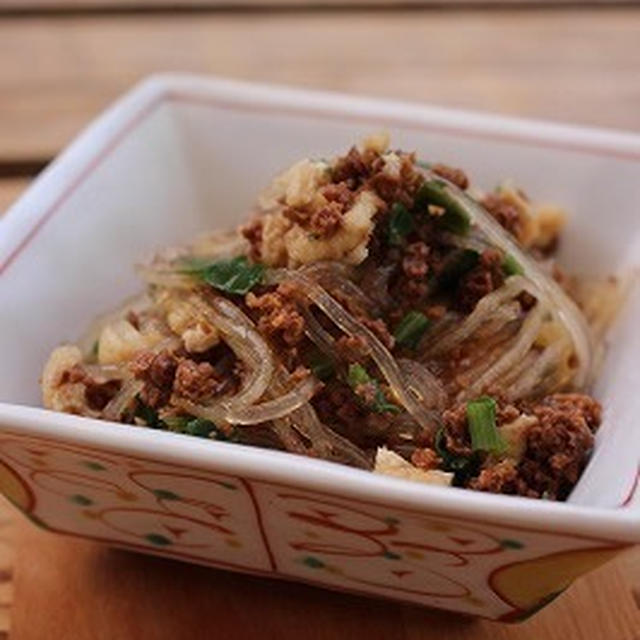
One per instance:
(481,418)
(401,224)
(237,275)
(357,376)
(511,267)
(178,424)
(321,365)
(463,468)
(411,329)
(148,415)
(200,427)
(455,218)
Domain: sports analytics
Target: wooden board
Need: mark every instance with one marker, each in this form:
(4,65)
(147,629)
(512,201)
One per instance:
(576,66)
(75,589)
(7,520)
(27,6)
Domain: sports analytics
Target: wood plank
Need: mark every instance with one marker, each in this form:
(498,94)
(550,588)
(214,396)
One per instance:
(33,6)
(534,63)
(7,520)
(9,191)
(75,589)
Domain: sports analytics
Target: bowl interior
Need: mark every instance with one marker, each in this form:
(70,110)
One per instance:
(188,165)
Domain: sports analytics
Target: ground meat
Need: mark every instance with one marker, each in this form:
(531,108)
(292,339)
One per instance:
(578,404)
(339,193)
(196,380)
(396,187)
(321,221)
(351,348)
(556,450)
(457,176)
(456,428)
(415,262)
(326,221)
(253,233)
(435,311)
(484,278)
(97,392)
(278,314)
(379,328)
(339,407)
(426,459)
(353,168)
(157,370)
(558,446)
(504,212)
(502,477)
(368,168)
(456,431)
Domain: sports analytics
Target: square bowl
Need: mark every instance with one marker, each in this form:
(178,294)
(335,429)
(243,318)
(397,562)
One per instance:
(180,154)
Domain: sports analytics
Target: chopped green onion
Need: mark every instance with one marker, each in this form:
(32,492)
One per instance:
(178,424)
(455,217)
(423,164)
(357,376)
(95,348)
(200,427)
(511,267)
(321,365)
(148,414)
(193,265)
(400,223)
(463,468)
(237,275)
(481,418)
(411,329)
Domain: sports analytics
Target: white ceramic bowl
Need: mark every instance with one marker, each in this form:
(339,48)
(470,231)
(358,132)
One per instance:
(181,154)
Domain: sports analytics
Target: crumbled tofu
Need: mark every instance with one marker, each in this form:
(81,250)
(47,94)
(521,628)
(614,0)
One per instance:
(391,464)
(297,186)
(550,221)
(120,340)
(64,396)
(348,244)
(528,230)
(541,223)
(514,435)
(197,334)
(392,165)
(60,361)
(274,227)
(378,142)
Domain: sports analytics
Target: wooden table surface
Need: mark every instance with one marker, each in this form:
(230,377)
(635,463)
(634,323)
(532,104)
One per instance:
(58,68)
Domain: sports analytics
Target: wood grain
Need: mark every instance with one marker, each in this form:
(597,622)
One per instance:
(27,6)
(7,520)
(76,589)
(576,66)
